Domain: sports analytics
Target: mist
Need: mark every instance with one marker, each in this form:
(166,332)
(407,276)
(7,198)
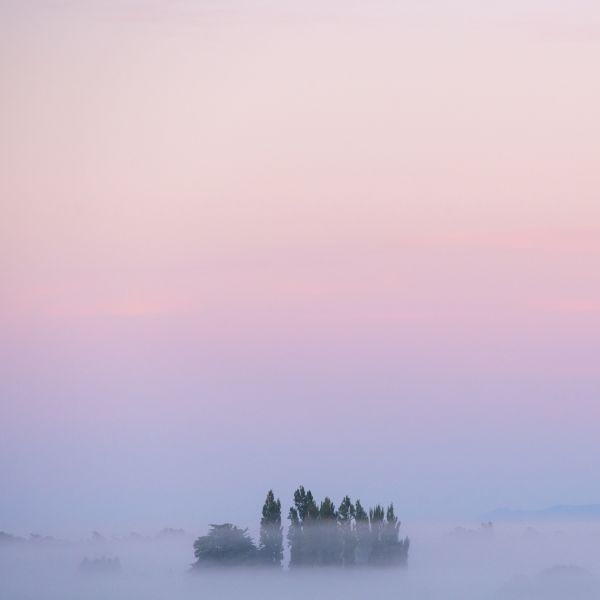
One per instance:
(549,560)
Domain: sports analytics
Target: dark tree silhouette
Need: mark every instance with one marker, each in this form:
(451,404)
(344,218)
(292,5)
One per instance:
(225,545)
(295,538)
(396,550)
(303,537)
(318,535)
(328,535)
(306,505)
(348,526)
(363,535)
(376,516)
(386,547)
(348,536)
(271,531)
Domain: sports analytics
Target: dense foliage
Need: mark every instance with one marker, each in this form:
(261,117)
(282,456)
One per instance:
(271,532)
(318,534)
(322,535)
(225,544)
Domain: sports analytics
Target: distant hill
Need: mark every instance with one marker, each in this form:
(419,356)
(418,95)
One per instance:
(565,512)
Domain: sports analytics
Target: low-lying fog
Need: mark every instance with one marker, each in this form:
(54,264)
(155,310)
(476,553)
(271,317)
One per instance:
(545,561)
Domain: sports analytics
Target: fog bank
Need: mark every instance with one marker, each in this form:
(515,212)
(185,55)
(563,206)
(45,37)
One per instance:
(511,562)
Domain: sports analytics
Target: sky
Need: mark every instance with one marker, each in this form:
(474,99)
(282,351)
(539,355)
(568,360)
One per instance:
(246,245)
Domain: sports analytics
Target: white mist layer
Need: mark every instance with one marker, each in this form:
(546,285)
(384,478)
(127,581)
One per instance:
(549,561)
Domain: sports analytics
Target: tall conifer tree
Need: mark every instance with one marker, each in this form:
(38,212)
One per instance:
(329,541)
(271,531)
(346,520)
(363,535)
(302,535)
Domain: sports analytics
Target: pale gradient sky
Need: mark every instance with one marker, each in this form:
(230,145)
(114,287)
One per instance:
(350,245)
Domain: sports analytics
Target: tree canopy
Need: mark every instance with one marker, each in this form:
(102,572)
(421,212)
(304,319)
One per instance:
(225,545)
(271,531)
(344,537)
(319,534)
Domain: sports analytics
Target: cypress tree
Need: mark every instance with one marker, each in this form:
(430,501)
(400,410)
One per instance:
(271,531)
(386,547)
(326,536)
(395,551)
(302,536)
(310,510)
(376,517)
(346,516)
(306,505)
(329,542)
(363,534)
(295,538)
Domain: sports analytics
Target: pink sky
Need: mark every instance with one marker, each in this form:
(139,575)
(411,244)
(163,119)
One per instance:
(366,227)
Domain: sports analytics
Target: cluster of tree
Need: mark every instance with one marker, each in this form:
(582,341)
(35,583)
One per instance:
(319,534)
(228,545)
